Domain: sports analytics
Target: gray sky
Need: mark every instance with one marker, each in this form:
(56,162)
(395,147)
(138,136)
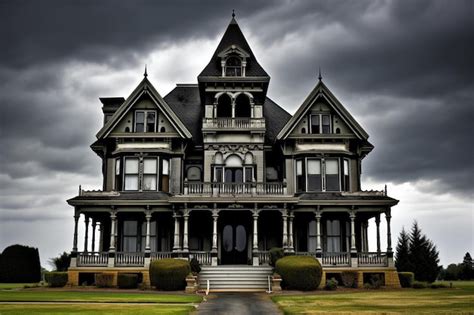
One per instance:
(403,69)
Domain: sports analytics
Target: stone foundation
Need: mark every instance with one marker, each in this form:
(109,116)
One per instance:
(73,274)
(390,275)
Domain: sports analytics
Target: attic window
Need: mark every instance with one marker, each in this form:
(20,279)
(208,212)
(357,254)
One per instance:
(320,124)
(233,67)
(145,121)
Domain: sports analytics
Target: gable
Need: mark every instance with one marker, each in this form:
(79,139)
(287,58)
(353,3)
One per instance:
(143,97)
(321,101)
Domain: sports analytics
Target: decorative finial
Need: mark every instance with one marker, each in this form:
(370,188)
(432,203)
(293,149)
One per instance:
(145,74)
(320,76)
(233,13)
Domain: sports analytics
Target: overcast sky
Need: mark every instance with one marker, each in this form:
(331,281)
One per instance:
(402,68)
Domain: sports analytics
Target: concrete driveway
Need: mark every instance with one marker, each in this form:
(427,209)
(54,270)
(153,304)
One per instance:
(238,304)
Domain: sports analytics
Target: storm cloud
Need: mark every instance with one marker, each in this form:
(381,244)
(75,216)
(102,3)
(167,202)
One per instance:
(402,69)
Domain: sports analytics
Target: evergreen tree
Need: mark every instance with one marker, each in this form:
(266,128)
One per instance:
(62,262)
(466,271)
(423,256)
(402,259)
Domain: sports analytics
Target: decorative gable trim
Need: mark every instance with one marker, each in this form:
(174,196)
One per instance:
(233,49)
(145,87)
(321,90)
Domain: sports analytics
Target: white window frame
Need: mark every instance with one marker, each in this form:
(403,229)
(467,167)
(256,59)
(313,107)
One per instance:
(124,179)
(310,127)
(141,165)
(323,173)
(145,113)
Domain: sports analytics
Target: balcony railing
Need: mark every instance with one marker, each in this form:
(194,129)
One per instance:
(263,257)
(233,123)
(203,257)
(86,259)
(336,259)
(217,189)
(372,259)
(129,259)
(160,255)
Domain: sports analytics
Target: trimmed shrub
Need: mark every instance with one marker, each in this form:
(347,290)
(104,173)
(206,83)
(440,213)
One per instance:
(195,266)
(349,279)
(275,254)
(104,280)
(62,262)
(56,279)
(331,284)
(419,285)
(20,264)
(406,279)
(299,272)
(169,274)
(127,280)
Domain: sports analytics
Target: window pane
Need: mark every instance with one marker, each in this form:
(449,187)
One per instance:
(326,123)
(150,122)
(314,167)
(131,166)
(149,182)
(346,167)
(315,124)
(314,183)
(139,121)
(248,174)
(240,238)
(149,166)
(299,167)
(130,244)
(117,166)
(331,167)
(165,167)
(130,227)
(227,238)
(218,174)
(238,176)
(131,182)
(332,175)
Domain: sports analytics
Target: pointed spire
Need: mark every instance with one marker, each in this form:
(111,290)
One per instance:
(320,78)
(146,73)
(233,13)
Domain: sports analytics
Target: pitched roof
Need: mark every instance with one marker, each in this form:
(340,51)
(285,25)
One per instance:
(233,36)
(185,101)
(145,87)
(322,90)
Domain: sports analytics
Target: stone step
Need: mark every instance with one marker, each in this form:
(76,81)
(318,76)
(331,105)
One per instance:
(235,277)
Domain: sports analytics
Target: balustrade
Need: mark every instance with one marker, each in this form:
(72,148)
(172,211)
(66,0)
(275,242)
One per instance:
(233,123)
(219,188)
(125,259)
(263,257)
(92,259)
(203,257)
(336,259)
(372,259)
(160,255)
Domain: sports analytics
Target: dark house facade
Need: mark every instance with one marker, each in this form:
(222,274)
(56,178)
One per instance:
(219,172)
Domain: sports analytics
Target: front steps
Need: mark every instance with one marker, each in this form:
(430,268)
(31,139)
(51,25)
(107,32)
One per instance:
(235,278)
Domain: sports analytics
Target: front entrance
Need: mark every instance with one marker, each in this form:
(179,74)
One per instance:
(235,238)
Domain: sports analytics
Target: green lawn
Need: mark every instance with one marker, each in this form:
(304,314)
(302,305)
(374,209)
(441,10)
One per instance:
(459,300)
(50,301)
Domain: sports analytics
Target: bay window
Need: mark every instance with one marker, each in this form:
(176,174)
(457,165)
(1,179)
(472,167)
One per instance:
(317,174)
(143,174)
(131,174)
(314,175)
(149,173)
(332,175)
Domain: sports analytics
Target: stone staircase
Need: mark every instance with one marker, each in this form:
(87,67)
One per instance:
(235,278)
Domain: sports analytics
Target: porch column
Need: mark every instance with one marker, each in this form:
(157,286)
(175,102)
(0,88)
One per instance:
(291,247)
(147,237)
(215,217)
(284,215)
(354,260)
(185,231)
(113,236)
(86,237)
(94,224)
(377,223)
(255,254)
(176,243)
(74,242)
(390,261)
(101,236)
(319,250)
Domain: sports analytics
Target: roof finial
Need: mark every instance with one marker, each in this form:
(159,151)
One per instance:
(320,76)
(146,73)
(233,13)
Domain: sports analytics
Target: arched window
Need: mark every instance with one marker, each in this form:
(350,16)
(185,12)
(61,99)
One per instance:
(224,106)
(242,106)
(233,161)
(233,67)
(193,173)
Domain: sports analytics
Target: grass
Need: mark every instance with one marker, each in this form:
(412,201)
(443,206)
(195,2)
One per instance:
(459,299)
(53,301)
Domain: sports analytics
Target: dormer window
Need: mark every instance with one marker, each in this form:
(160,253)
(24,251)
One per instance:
(320,123)
(233,67)
(145,121)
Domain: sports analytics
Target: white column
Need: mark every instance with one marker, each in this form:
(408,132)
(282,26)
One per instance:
(176,243)
(255,231)
(377,223)
(291,247)
(113,223)
(94,224)
(185,231)
(284,215)
(74,242)
(86,237)
(353,237)
(147,237)
(318,232)
(215,216)
(101,236)
(233,107)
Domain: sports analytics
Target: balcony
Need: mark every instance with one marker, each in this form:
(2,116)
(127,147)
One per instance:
(231,189)
(233,123)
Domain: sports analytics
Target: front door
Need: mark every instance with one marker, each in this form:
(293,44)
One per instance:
(234,244)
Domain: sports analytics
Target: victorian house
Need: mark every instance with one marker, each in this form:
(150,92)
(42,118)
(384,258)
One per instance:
(219,172)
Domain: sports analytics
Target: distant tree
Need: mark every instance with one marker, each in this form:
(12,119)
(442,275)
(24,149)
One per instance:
(423,256)
(450,273)
(61,263)
(466,271)
(20,264)
(402,258)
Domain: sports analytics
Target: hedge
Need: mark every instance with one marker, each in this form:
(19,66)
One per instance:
(56,279)
(299,272)
(20,264)
(275,254)
(104,280)
(169,274)
(127,280)
(406,279)
(349,279)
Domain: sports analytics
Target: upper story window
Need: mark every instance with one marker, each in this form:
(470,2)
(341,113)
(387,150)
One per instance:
(233,67)
(320,123)
(145,121)
(143,174)
(322,174)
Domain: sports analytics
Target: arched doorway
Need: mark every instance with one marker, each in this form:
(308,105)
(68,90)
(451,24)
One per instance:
(224,106)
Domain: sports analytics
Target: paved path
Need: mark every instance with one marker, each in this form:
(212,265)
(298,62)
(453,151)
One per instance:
(238,304)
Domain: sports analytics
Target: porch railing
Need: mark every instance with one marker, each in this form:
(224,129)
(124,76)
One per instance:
(372,259)
(126,259)
(219,188)
(263,257)
(92,258)
(203,257)
(160,255)
(336,259)
(233,123)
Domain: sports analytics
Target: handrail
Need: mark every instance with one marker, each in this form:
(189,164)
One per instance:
(208,286)
(223,188)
